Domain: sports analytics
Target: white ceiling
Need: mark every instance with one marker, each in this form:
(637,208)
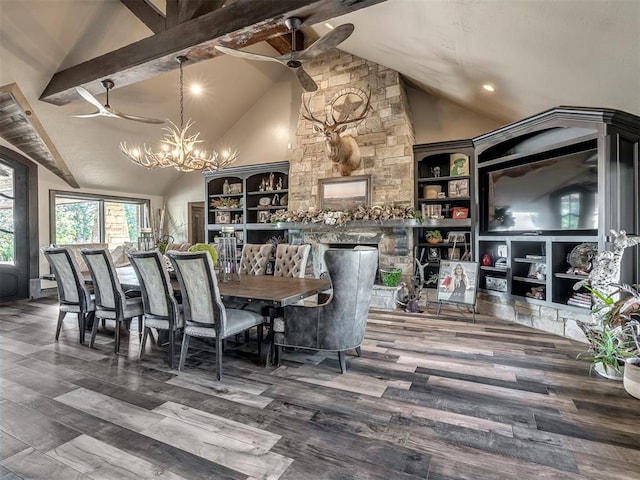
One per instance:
(538,53)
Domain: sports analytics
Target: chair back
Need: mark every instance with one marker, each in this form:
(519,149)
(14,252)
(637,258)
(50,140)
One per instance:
(255,258)
(291,260)
(108,292)
(343,320)
(69,279)
(155,284)
(199,287)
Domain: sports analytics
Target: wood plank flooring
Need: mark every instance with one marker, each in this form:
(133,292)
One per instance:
(430,398)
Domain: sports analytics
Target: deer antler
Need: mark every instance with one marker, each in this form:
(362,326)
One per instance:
(319,124)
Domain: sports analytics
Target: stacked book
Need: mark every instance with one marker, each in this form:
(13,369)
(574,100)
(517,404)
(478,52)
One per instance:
(578,299)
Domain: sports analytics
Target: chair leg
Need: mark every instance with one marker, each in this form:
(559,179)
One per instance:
(81,321)
(172,347)
(61,316)
(94,330)
(343,362)
(116,347)
(183,351)
(260,333)
(219,343)
(359,351)
(140,327)
(143,344)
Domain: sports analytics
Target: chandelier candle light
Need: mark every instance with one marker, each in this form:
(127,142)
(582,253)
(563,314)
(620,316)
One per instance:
(179,149)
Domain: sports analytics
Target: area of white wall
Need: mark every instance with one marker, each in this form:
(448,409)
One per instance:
(262,135)
(48,181)
(436,119)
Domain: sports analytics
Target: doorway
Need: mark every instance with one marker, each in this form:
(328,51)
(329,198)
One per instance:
(18,225)
(196,222)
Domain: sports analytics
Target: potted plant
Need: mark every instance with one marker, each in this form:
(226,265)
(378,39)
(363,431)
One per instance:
(608,350)
(434,236)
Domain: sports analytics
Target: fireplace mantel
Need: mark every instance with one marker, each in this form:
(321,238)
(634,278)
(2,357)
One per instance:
(350,225)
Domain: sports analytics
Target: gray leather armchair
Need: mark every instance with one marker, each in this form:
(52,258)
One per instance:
(339,324)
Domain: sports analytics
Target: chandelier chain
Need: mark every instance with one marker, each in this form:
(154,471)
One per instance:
(181,60)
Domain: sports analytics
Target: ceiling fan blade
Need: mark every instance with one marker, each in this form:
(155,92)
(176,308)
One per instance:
(328,41)
(248,55)
(84,93)
(305,80)
(136,118)
(88,115)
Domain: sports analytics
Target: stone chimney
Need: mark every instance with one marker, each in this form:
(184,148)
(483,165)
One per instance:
(385,138)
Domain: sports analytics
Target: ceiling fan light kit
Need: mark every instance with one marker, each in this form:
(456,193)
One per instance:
(294,59)
(178,148)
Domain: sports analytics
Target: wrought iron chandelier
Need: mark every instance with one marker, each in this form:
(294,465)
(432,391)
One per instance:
(178,148)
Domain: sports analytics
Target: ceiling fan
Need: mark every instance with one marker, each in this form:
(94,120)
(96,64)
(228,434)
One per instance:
(295,59)
(107,110)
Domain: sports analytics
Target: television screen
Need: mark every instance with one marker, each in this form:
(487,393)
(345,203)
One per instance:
(558,194)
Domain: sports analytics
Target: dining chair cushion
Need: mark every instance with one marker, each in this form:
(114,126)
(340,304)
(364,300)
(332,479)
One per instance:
(291,260)
(254,258)
(132,308)
(237,321)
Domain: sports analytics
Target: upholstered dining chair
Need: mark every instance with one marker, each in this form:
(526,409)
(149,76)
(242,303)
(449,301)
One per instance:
(339,324)
(254,258)
(161,310)
(291,260)
(73,295)
(204,313)
(111,301)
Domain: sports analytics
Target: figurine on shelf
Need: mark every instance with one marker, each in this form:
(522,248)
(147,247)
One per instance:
(271,180)
(263,185)
(225,187)
(435,172)
(279,185)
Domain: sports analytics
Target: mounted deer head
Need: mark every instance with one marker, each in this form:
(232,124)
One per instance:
(343,151)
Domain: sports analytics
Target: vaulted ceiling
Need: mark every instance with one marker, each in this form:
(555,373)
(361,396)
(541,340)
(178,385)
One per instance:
(538,54)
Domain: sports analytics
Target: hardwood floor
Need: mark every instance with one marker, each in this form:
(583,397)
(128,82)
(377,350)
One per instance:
(429,399)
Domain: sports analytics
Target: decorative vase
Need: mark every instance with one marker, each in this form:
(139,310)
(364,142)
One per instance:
(609,372)
(631,379)
(434,240)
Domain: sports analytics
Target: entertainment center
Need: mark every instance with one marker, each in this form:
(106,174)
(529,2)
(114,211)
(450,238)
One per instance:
(539,188)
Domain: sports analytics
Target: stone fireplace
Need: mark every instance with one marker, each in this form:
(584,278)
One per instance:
(385,139)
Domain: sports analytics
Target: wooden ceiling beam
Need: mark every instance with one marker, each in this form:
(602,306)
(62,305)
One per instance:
(147,13)
(236,25)
(190,9)
(282,44)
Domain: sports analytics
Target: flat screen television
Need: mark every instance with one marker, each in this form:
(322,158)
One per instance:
(554,195)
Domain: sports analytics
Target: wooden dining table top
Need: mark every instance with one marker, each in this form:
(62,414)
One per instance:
(267,289)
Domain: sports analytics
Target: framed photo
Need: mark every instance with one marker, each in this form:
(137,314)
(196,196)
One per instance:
(459,212)
(459,164)
(453,253)
(434,254)
(223,217)
(456,237)
(458,282)
(459,188)
(344,193)
(264,216)
(235,188)
(538,271)
(497,284)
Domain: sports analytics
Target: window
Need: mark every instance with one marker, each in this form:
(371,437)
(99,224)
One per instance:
(570,211)
(86,218)
(7,225)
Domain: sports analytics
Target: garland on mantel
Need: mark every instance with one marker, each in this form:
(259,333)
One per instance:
(339,218)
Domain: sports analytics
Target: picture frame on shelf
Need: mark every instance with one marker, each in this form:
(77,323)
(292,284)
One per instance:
(538,271)
(431,211)
(235,188)
(223,217)
(456,237)
(434,254)
(458,282)
(344,193)
(459,164)
(458,188)
(459,213)
(264,216)
(497,284)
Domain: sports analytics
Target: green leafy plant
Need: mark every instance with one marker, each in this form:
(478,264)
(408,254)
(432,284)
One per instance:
(434,235)
(205,247)
(608,346)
